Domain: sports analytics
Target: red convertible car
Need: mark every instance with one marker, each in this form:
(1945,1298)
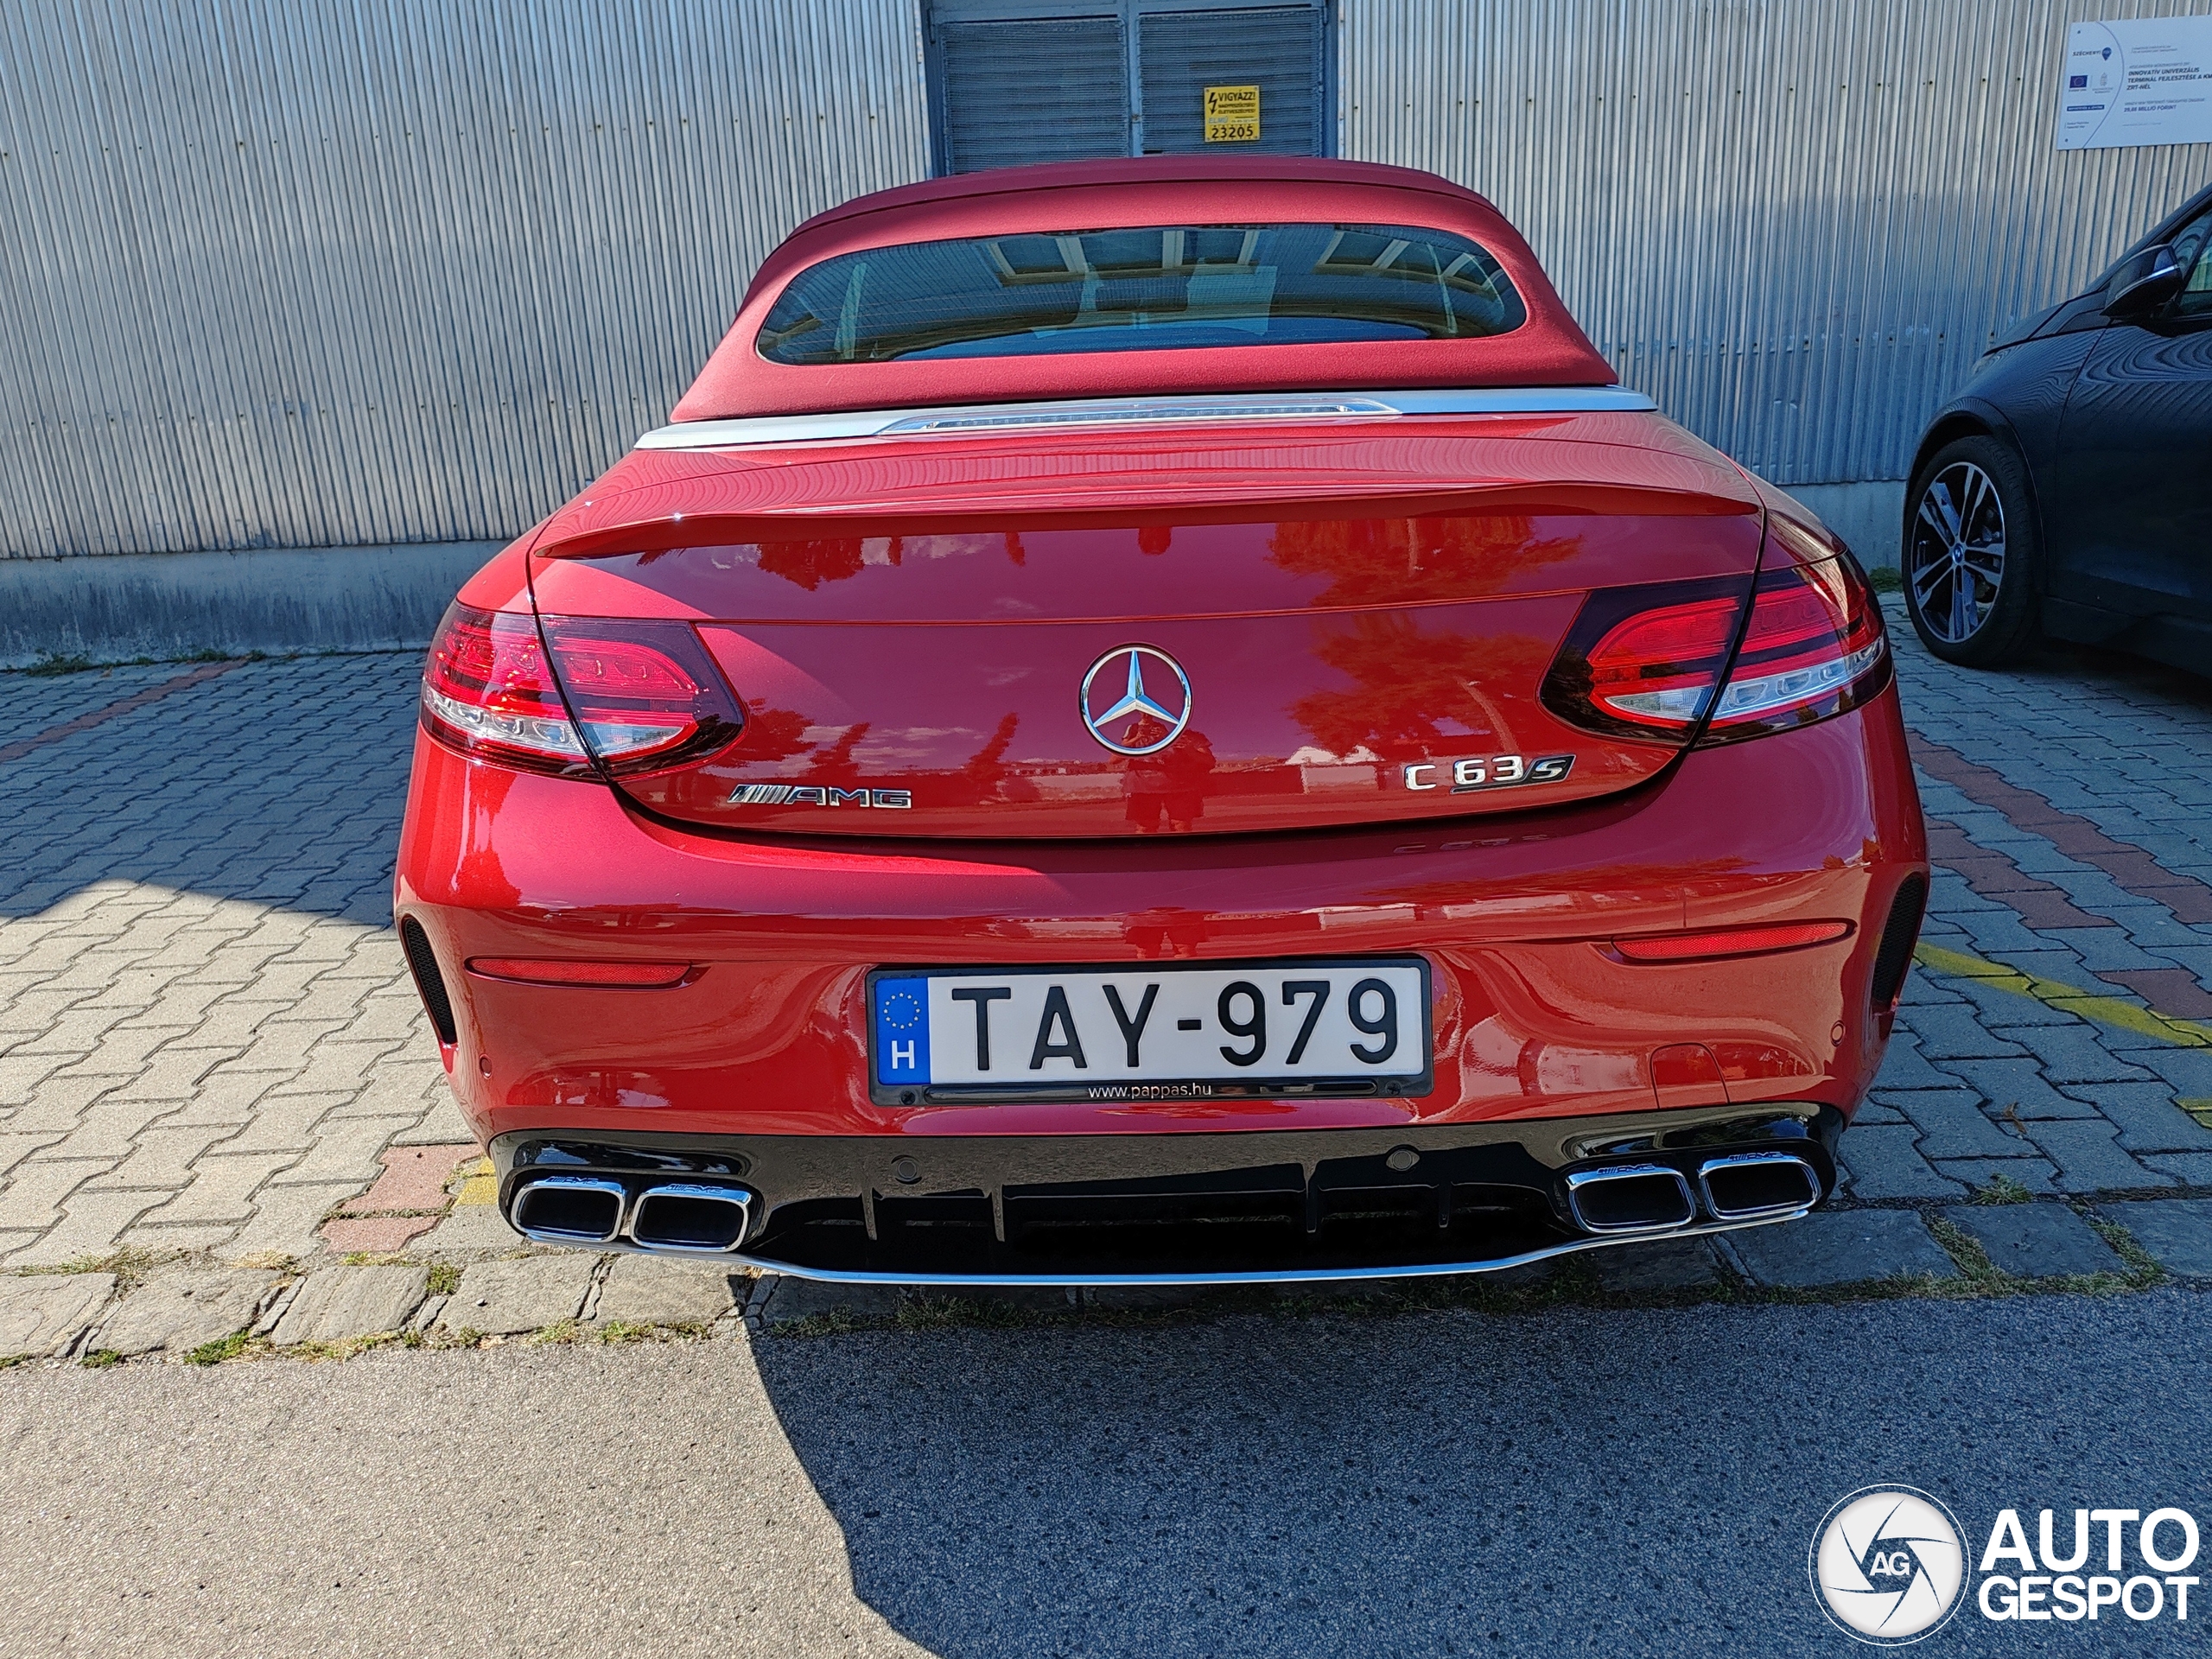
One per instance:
(1161,721)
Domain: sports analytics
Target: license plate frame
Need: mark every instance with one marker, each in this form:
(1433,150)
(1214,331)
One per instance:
(1394,1076)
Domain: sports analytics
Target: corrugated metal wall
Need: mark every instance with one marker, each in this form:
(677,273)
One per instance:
(1795,223)
(335,272)
(345,272)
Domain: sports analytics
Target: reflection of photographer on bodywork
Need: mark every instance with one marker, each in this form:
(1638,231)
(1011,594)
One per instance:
(1168,789)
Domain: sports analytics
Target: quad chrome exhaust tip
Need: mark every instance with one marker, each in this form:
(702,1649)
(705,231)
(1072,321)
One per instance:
(675,1218)
(1627,1198)
(1751,1185)
(691,1219)
(570,1209)
(1630,1199)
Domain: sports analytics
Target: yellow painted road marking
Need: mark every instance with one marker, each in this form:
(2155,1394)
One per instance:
(479,1186)
(2104,1010)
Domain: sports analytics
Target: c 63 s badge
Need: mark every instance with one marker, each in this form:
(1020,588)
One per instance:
(819,795)
(1487,772)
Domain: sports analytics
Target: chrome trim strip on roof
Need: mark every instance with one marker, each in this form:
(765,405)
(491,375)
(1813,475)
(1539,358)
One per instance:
(1277,1276)
(974,418)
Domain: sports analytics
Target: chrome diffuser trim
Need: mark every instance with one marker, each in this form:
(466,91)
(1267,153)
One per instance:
(1581,1180)
(572,1183)
(1283,1276)
(971,419)
(1742,1159)
(740,1198)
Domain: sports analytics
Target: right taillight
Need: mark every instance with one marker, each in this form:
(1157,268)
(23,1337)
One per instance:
(586,696)
(1814,648)
(1647,662)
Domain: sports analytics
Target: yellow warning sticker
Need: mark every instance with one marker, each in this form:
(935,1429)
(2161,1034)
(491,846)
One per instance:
(1232,115)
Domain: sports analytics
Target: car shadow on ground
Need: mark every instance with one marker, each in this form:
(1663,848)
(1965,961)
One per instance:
(1578,1480)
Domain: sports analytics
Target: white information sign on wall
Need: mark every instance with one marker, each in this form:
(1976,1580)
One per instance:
(2136,80)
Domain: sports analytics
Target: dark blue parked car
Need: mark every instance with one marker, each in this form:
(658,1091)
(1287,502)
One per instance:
(2067,490)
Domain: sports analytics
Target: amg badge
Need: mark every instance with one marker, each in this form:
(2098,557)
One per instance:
(1492,772)
(817,795)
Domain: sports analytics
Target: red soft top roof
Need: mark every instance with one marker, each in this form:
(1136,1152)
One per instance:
(1548,350)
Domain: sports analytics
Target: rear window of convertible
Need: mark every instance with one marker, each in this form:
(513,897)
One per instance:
(1156,289)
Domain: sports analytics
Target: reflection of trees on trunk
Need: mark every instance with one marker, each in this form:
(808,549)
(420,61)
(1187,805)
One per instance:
(984,777)
(1418,693)
(773,734)
(835,763)
(1410,561)
(1411,684)
(811,563)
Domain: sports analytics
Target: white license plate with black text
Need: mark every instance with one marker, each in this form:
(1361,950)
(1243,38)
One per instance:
(1333,1027)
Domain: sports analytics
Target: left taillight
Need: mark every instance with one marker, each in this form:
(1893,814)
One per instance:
(585,695)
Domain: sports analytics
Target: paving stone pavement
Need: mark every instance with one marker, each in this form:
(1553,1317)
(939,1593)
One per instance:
(341,1303)
(2035,1240)
(1843,1247)
(208,1034)
(2053,1034)
(183,1308)
(210,1048)
(508,1296)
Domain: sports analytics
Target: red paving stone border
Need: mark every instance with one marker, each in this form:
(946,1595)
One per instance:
(1994,875)
(414,1178)
(407,1199)
(2133,870)
(115,711)
(2170,990)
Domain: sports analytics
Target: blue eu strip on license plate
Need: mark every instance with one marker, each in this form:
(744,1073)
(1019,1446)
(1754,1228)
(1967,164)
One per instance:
(902,1030)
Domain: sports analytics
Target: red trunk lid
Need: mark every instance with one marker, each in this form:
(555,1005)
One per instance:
(1336,621)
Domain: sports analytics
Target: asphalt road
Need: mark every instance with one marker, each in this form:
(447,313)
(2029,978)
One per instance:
(1577,1482)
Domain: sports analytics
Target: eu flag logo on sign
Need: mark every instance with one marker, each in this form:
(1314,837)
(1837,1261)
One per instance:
(902,1030)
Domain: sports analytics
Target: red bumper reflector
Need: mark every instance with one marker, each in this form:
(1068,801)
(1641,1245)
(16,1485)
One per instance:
(1729,941)
(540,970)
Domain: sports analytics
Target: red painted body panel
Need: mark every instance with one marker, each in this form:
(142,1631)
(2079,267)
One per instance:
(1548,350)
(1534,1016)
(1330,643)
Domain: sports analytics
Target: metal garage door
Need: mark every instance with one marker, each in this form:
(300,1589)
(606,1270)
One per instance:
(1014,81)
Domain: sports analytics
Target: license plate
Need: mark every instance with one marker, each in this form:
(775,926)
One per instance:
(1212,1030)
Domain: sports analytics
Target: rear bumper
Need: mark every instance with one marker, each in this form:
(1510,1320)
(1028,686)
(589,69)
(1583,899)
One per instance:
(1258,1206)
(1535,1018)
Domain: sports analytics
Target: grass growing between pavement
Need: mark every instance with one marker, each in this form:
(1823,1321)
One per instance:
(214,1353)
(51,664)
(1985,1278)
(131,1267)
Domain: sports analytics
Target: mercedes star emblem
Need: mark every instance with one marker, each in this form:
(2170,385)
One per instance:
(1155,724)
